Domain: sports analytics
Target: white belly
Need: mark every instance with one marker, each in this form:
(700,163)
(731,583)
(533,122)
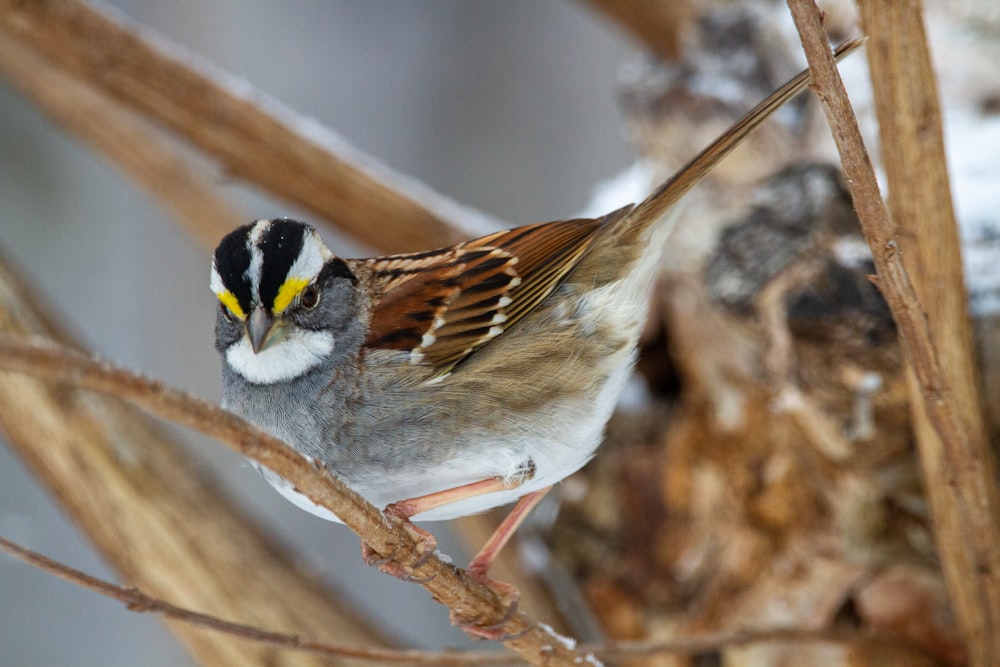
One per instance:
(554,459)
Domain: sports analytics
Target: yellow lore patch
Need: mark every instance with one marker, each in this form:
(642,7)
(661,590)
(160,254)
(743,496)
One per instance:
(288,291)
(230,301)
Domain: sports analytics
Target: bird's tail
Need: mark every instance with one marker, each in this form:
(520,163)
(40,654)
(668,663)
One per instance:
(656,205)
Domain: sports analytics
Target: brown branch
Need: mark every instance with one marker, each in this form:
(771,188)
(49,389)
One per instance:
(251,136)
(469,600)
(958,463)
(141,153)
(919,271)
(140,602)
(104,459)
(130,144)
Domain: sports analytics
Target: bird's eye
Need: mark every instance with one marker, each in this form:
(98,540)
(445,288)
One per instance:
(228,314)
(310,297)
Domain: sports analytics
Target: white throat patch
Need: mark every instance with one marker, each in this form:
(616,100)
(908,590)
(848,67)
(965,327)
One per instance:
(299,352)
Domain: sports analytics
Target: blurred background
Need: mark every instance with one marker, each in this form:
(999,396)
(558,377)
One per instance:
(514,109)
(507,107)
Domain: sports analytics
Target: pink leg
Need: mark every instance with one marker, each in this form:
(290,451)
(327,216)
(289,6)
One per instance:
(400,512)
(480,565)
(413,506)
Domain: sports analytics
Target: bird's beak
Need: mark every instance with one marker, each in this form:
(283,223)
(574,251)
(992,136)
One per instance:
(263,329)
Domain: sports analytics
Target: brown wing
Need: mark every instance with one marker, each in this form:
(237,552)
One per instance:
(443,304)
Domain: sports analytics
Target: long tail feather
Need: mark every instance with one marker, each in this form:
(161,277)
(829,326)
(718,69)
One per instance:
(671,191)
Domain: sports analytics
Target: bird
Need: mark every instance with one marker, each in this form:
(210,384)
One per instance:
(446,382)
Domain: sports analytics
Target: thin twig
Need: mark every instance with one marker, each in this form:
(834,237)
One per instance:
(138,601)
(468,600)
(958,465)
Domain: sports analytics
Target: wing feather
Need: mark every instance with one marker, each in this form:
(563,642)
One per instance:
(440,306)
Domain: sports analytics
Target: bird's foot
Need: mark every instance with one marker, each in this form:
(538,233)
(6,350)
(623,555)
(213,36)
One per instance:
(424,549)
(509,598)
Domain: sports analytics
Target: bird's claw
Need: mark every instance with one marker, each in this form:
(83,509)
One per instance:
(425,546)
(509,597)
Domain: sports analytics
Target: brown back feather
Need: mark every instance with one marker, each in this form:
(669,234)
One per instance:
(442,305)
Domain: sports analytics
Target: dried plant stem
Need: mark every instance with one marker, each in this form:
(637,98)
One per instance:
(131,145)
(251,136)
(917,257)
(468,600)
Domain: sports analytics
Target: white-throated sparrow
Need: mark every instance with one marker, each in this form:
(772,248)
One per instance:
(446,382)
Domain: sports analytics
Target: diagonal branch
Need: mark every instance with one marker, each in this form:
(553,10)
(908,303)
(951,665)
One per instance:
(468,599)
(147,508)
(118,130)
(250,135)
(133,146)
(916,255)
